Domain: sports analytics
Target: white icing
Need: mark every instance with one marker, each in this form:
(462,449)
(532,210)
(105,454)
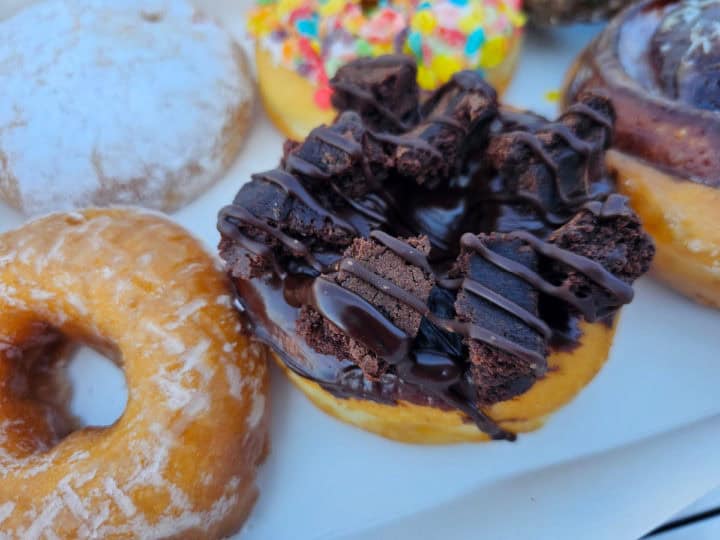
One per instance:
(123,501)
(257,411)
(187,311)
(173,345)
(102,105)
(39,294)
(234,379)
(224,300)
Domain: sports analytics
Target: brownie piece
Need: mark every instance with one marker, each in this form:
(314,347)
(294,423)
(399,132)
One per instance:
(270,204)
(340,155)
(382,90)
(610,234)
(499,375)
(326,338)
(556,163)
(430,152)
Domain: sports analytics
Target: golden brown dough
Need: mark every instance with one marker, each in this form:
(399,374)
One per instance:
(407,422)
(181,461)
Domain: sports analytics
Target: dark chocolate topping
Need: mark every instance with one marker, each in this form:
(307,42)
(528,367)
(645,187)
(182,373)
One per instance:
(553,166)
(324,276)
(430,151)
(659,62)
(620,291)
(382,91)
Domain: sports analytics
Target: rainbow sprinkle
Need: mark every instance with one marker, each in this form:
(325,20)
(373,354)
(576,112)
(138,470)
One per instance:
(316,37)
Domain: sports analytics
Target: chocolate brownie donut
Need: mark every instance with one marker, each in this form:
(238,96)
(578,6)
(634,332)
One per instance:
(454,275)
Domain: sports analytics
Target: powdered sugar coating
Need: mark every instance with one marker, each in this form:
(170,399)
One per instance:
(186,420)
(135,102)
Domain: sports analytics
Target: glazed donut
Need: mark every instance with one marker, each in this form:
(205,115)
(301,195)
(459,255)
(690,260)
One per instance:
(181,460)
(300,45)
(456,281)
(657,63)
(137,102)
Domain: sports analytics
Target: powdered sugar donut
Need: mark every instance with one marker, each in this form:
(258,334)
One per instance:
(134,102)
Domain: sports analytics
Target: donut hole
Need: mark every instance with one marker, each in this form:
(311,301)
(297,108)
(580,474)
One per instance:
(99,389)
(52,385)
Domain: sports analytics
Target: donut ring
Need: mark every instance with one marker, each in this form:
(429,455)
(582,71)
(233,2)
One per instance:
(181,461)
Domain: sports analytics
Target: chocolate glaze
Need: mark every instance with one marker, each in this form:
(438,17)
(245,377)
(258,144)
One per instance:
(658,63)
(619,290)
(430,367)
(471,331)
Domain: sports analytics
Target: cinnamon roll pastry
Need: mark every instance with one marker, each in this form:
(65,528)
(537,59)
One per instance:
(659,64)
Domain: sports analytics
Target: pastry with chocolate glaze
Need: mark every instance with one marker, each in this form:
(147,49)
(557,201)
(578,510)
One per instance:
(657,63)
(464,303)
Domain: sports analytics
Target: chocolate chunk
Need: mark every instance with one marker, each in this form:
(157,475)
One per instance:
(455,113)
(610,234)
(382,90)
(326,338)
(389,265)
(339,157)
(497,374)
(390,275)
(271,218)
(556,164)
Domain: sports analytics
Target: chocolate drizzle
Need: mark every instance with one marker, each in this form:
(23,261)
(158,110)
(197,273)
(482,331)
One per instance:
(402,249)
(371,315)
(360,319)
(291,185)
(232,216)
(621,291)
(382,90)
(533,321)
(472,331)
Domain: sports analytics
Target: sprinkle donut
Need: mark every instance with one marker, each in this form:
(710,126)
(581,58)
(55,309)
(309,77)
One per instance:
(300,45)
(181,460)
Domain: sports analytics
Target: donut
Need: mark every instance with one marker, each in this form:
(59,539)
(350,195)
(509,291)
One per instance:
(181,460)
(300,45)
(657,63)
(136,102)
(456,281)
